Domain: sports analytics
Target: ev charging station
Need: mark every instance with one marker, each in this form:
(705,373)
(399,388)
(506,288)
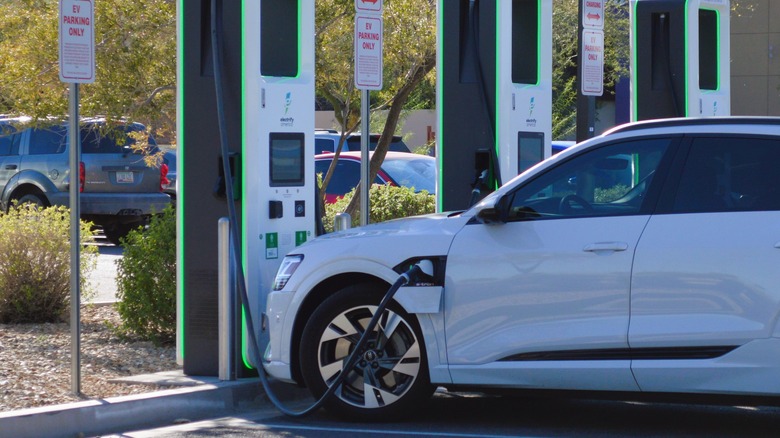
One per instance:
(279,195)
(494,94)
(267,62)
(680,53)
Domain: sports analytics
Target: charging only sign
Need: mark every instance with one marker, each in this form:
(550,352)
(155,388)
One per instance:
(368,51)
(77,41)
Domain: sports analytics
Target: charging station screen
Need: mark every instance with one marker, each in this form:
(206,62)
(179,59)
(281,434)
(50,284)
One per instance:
(708,49)
(286,159)
(525,41)
(530,150)
(279,38)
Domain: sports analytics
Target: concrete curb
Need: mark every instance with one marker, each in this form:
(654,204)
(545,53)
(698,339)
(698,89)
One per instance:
(117,414)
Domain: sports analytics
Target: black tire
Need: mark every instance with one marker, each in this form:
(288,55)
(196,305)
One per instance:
(32,198)
(395,367)
(116,232)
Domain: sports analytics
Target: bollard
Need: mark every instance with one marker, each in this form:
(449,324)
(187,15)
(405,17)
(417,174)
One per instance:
(342,221)
(226,303)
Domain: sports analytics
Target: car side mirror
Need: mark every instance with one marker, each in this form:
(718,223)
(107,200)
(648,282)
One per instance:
(495,214)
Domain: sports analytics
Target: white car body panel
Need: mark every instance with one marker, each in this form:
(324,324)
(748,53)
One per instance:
(562,375)
(751,369)
(531,286)
(720,298)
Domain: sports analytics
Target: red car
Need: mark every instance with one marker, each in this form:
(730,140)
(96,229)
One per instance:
(399,169)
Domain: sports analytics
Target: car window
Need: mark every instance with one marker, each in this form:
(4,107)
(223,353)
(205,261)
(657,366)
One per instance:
(346,176)
(322,145)
(419,173)
(48,141)
(9,141)
(611,180)
(98,140)
(729,174)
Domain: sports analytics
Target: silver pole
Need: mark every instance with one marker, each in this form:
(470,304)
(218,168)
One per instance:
(365,163)
(75,245)
(342,221)
(226,303)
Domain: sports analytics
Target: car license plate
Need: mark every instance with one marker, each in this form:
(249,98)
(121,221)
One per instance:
(124,177)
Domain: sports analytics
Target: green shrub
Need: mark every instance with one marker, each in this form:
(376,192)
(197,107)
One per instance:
(386,202)
(146,280)
(35,264)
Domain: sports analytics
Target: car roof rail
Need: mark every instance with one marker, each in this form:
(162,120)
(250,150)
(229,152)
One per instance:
(694,121)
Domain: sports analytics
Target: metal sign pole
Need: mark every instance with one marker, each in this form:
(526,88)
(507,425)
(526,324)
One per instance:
(75,247)
(77,66)
(368,76)
(365,163)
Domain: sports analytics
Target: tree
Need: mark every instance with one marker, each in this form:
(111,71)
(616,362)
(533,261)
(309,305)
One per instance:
(409,59)
(135,55)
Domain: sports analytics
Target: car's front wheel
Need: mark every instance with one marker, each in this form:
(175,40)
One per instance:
(391,375)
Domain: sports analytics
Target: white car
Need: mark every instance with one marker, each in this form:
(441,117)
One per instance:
(646,260)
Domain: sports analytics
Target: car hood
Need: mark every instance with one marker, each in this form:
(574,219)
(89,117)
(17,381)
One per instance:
(417,225)
(378,247)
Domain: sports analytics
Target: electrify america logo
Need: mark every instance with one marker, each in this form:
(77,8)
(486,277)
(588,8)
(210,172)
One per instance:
(530,121)
(287,121)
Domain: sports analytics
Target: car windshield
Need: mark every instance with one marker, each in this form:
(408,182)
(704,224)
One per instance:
(418,173)
(99,140)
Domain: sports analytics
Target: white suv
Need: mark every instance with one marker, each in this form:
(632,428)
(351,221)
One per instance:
(646,260)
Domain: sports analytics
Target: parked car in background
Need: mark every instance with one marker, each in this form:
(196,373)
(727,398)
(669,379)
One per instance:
(169,159)
(639,263)
(561,145)
(328,140)
(401,169)
(119,191)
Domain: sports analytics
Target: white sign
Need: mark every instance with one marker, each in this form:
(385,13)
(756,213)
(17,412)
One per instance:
(77,41)
(592,62)
(593,14)
(368,52)
(368,6)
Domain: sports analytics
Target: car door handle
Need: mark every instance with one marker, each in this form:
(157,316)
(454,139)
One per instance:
(606,247)
(10,166)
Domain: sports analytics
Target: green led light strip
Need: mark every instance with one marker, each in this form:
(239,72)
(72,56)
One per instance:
(538,42)
(181,168)
(717,47)
(440,106)
(687,58)
(496,112)
(634,107)
(244,124)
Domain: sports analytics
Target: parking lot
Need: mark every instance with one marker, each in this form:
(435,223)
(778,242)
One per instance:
(103,277)
(474,415)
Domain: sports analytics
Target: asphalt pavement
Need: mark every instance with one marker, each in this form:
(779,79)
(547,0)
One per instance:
(103,278)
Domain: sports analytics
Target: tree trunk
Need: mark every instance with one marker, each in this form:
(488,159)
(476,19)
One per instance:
(416,76)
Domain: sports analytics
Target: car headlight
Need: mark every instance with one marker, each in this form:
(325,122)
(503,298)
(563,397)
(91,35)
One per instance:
(286,270)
